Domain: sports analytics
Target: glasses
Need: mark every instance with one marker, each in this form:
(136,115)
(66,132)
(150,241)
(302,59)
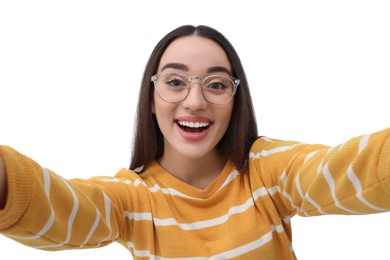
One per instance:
(175,87)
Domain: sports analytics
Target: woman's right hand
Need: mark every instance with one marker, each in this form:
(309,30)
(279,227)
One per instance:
(3,184)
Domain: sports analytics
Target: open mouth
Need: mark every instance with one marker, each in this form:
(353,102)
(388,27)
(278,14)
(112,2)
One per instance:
(193,127)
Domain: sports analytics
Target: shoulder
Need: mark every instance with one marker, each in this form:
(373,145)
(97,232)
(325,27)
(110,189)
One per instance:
(274,152)
(266,145)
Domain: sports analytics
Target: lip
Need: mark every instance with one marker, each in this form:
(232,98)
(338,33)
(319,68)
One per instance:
(193,136)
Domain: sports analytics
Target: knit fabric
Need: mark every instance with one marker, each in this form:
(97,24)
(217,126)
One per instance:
(241,215)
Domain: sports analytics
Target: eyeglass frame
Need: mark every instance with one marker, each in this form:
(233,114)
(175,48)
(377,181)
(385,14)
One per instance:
(235,81)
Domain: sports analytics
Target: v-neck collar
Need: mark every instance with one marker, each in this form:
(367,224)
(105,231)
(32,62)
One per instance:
(167,180)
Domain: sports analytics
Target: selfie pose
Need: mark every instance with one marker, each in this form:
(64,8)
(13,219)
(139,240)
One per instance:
(203,183)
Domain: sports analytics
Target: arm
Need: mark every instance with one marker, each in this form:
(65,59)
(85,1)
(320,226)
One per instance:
(45,211)
(3,184)
(352,178)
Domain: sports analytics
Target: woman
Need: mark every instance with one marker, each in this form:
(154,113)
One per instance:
(202,185)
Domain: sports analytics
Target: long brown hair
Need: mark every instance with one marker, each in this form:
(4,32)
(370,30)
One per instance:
(242,131)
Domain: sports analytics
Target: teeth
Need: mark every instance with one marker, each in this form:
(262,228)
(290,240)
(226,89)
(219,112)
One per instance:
(193,124)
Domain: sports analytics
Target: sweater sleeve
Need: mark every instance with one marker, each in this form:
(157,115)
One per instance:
(311,180)
(45,211)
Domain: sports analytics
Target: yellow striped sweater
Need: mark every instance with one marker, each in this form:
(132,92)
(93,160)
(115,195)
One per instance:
(241,215)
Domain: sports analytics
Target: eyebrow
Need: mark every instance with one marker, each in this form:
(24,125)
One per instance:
(179,66)
(219,69)
(183,67)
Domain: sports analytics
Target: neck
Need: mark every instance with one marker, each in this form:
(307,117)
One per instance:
(199,172)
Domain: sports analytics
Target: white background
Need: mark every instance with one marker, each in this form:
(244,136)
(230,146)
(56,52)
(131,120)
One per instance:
(70,73)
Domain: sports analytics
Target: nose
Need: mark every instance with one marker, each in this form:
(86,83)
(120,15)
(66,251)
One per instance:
(195,100)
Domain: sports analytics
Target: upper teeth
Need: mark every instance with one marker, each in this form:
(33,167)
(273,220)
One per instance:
(193,124)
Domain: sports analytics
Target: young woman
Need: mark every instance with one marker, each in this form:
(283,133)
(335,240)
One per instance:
(202,185)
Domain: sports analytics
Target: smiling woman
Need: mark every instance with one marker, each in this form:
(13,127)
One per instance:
(201,184)
(317,71)
(203,55)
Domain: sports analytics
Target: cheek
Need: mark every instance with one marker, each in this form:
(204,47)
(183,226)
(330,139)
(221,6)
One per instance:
(164,111)
(224,115)
(157,105)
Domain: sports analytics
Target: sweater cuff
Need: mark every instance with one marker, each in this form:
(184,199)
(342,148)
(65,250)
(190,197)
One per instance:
(18,170)
(384,164)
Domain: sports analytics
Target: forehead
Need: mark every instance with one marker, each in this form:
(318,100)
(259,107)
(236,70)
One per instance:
(197,53)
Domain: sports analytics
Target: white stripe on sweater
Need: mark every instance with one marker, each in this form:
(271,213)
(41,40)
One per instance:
(363,142)
(93,228)
(332,187)
(235,252)
(147,216)
(50,221)
(272,151)
(170,191)
(71,218)
(358,187)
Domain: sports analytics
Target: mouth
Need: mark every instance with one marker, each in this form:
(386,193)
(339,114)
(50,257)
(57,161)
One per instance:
(193,127)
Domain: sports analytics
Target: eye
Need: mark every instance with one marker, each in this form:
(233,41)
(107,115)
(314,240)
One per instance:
(216,86)
(174,81)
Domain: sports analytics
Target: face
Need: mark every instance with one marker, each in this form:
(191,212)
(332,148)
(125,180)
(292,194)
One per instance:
(193,127)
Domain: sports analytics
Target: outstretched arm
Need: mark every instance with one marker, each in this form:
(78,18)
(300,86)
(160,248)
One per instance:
(311,180)
(43,210)
(3,184)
